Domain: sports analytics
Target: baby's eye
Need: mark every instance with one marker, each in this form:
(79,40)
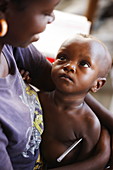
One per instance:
(61,57)
(84,63)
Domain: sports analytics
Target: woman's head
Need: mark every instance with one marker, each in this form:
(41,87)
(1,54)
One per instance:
(25,19)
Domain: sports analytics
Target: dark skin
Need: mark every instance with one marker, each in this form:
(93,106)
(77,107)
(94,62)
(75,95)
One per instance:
(111,161)
(105,117)
(38,14)
(26,30)
(98,108)
(93,162)
(75,72)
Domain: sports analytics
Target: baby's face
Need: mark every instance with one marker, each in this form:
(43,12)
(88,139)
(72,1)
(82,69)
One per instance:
(76,67)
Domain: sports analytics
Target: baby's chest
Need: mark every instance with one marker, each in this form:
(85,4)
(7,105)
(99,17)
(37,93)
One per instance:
(65,125)
(57,140)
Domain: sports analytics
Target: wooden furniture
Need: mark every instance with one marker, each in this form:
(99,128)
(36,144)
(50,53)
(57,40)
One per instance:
(91,9)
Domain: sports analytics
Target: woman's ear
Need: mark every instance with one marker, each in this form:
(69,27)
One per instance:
(3,24)
(3,27)
(98,84)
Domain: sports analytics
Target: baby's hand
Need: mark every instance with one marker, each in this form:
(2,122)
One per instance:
(25,76)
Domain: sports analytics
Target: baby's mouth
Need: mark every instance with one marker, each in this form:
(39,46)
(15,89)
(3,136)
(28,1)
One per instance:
(66,77)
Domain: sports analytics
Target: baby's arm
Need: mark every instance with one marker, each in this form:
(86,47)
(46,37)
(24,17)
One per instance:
(99,158)
(104,115)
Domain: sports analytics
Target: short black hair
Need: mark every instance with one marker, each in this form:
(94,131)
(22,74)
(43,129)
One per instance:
(19,4)
(3,5)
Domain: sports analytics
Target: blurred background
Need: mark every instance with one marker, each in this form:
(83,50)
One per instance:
(100,13)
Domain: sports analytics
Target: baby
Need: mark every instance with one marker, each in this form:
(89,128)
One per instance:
(71,128)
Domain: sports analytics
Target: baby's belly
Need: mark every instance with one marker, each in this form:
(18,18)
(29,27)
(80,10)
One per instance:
(54,149)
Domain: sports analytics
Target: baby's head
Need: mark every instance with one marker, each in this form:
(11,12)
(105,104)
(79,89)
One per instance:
(86,57)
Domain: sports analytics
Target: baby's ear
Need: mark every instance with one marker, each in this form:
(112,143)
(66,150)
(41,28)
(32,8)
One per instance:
(98,84)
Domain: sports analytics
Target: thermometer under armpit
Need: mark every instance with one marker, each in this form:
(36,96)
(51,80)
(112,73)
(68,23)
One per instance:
(69,150)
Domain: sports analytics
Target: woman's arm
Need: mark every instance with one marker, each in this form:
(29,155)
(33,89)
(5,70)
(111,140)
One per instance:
(104,115)
(98,160)
(110,164)
(111,158)
(112,153)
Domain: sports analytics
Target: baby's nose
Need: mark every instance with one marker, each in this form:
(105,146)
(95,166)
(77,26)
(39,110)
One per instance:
(70,68)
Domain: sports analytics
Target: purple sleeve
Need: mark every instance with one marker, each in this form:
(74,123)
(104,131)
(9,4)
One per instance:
(30,59)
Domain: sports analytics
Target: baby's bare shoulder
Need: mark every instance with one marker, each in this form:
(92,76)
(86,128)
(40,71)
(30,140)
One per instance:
(90,119)
(92,127)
